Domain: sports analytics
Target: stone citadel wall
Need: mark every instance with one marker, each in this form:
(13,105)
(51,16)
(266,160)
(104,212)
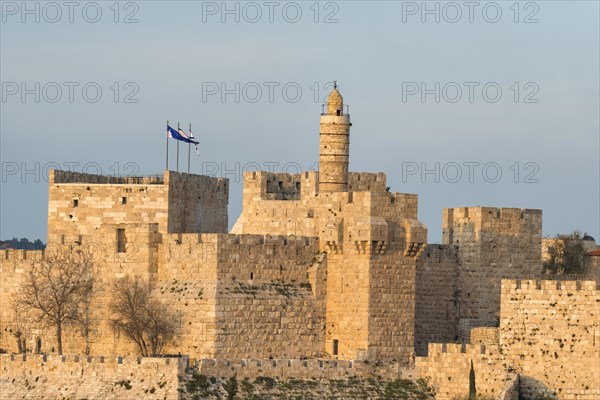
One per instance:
(36,377)
(331,266)
(436,307)
(493,244)
(448,366)
(210,281)
(372,238)
(79,204)
(549,335)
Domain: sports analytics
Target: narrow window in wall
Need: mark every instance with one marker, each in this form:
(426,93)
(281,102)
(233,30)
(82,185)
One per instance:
(123,200)
(121,240)
(75,203)
(251,275)
(336,344)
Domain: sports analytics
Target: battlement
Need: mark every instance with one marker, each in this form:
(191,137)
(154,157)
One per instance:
(366,182)
(286,186)
(169,177)
(181,178)
(279,186)
(488,217)
(546,286)
(12,255)
(437,349)
(309,368)
(67,177)
(256,258)
(51,361)
(79,204)
(41,376)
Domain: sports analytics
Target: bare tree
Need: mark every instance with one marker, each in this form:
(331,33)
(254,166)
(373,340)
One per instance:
(53,289)
(144,319)
(19,328)
(85,317)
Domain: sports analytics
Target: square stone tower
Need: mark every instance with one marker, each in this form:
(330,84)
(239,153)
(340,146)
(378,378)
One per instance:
(371,240)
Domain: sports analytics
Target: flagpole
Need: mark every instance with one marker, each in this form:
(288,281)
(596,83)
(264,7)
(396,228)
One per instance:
(167,158)
(189,147)
(178,149)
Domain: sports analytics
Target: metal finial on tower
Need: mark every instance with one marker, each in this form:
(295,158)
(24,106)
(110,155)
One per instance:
(335,84)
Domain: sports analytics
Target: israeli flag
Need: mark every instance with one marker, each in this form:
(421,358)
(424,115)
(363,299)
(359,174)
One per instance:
(191,139)
(172,133)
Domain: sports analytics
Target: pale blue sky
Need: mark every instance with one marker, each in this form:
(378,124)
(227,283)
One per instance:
(370,51)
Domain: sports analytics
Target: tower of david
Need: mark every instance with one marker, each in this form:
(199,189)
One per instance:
(322,269)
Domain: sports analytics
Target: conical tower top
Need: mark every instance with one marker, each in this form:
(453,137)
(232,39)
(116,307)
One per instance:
(335,101)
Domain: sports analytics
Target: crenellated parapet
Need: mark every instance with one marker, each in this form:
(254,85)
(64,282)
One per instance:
(91,377)
(464,224)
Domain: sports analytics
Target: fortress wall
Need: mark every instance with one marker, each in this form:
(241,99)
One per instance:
(262,185)
(307,216)
(214,279)
(107,264)
(493,244)
(187,282)
(392,308)
(448,366)
(366,182)
(283,186)
(550,333)
(78,204)
(77,207)
(107,378)
(265,258)
(394,206)
(58,176)
(345,232)
(348,282)
(197,203)
(14,265)
(397,239)
(485,335)
(186,257)
(302,369)
(269,275)
(371,273)
(206,281)
(282,322)
(436,309)
(193,303)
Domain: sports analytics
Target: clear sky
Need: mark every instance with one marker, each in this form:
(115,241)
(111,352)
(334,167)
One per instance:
(444,97)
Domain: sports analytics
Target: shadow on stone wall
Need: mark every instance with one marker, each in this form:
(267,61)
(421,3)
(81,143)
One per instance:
(533,389)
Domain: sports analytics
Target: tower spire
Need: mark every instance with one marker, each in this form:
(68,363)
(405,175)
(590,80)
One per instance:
(335,145)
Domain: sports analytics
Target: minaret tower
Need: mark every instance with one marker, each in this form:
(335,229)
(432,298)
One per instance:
(335,145)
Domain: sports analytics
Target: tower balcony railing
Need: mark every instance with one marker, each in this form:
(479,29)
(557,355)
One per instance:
(324,106)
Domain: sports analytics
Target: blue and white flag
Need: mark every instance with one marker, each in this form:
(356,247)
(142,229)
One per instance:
(172,133)
(191,139)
